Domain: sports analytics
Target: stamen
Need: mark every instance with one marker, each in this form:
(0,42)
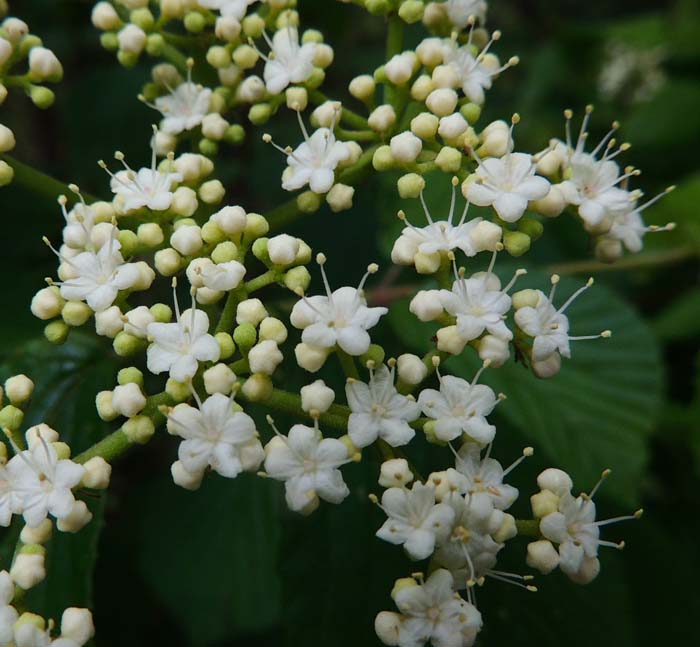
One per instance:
(527,452)
(573,297)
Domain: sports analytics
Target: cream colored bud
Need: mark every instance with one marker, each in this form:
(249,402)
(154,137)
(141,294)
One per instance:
(97,473)
(494,349)
(7,139)
(128,400)
(103,403)
(362,87)
(382,118)
(150,234)
(425,125)
(426,305)
(77,625)
(387,626)
(79,517)
(548,367)
(311,358)
(274,329)
(400,68)
(430,51)
(317,397)
(450,341)
(250,311)
(265,357)
(542,556)
(28,570)
(185,479)
(449,160)
(552,205)
(219,379)
(442,102)
(231,220)
(339,198)
(214,127)
(323,55)
(39,535)
(411,369)
(486,236)
(227,28)
(427,263)
(257,388)
(19,389)
(445,76)
(283,249)
(395,473)
(405,147)
(556,480)
(187,239)
(212,192)
(326,114)
(105,17)
(132,39)
(421,88)
(184,201)
(297,98)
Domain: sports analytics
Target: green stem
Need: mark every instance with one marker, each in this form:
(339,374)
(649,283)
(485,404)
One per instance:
(39,182)
(356,135)
(177,58)
(259,282)
(637,261)
(348,364)
(528,527)
(228,314)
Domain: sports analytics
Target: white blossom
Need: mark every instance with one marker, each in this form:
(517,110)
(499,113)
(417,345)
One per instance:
(235,8)
(288,61)
(309,466)
(415,520)
(460,407)
(179,347)
(341,317)
(183,108)
(216,436)
(460,11)
(379,410)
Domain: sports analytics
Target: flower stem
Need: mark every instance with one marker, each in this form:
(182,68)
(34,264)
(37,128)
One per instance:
(646,259)
(348,364)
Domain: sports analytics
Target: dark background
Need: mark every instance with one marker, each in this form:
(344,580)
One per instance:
(228,565)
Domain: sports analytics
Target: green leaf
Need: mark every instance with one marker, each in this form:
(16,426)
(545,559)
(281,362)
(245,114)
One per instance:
(598,411)
(210,555)
(680,319)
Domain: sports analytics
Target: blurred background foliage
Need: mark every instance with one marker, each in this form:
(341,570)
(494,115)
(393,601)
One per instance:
(229,565)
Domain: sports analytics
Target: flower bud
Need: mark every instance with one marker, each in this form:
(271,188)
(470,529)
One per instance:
(311,358)
(185,479)
(452,126)
(445,76)
(421,88)
(214,126)
(542,556)
(184,202)
(18,389)
(265,357)
(7,173)
(411,11)
(245,336)
(405,147)
(128,400)
(76,313)
(28,568)
(387,625)
(297,278)
(139,429)
(442,102)
(411,369)
(425,125)
(79,517)
(590,567)
(97,473)
(548,367)
(426,305)
(7,139)
(449,160)
(427,263)
(15,29)
(41,97)
(257,388)
(297,98)
(226,344)
(125,344)
(105,17)
(274,329)
(525,298)
(187,239)
(178,391)
(552,205)
(362,87)
(430,51)
(212,192)
(250,311)
(339,198)
(326,114)
(317,397)
(283,249)
(260,114)
(56,332)
(410,185)
(77,625)
(309,202)
(256,225)
(544,503)
(39,535)
(132,39)
(450,341)
(516,243)
(323,55)
(494,349)
(382,118)
(219,379)
(555,480)
(400,68)
(383,159)
(496,140)
(395,473)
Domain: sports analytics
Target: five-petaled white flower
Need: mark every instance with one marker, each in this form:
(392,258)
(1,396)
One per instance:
(474,72)
(379,410)
(479,303)
(184,108)
(235,8)
(549,326)
(414,520)
(507,183)
(309,466)
(432,612)
(341,317)
(215,436)
(288,61)
(147,187)
(314,161)
(99,276)
(460,408)
(43,482)
(179,347)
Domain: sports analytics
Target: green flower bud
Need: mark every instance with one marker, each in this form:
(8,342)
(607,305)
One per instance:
(129,242)
(143,18)
(208,147)
(150,91)
(375,353)
(224,252)
(245,336)
(125,344)
(304,254)
(139,429)
(449,160)
(257,388)
(253,26)
(109,41)
(260,113)
(383,160)
(57,332)
(410,185)
(41,97)
(318,76)
(7,173)
(76,313)
(235,134)
(195,22)
(161,312)
(11,418)
(155,44)
(533,228)
(260,250)
(411,11)
(62,450)
(378,7)
(218,57)
(127,59)
(130,375)
(256,225)
(309,202)
(178,391)
(471,112)
(429,430)
(296,278)
(226,344)
(211,234)
(212,192)
(516,242)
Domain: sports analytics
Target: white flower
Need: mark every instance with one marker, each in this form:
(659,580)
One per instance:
(414,520)
(474,73)
(508,184)
(341,317)
(314,161)
(548,326)
(179,347)
(8,614)
(479,304)
(184,108)
(471,237)
(485,475)
(80,222)
(235,8)
(147,187)
(460,11)
(379,410)
(214,436)
(433,612)
(9,498)
(308,464)
(288,62)
(99,276)
(460,407)
(43,482)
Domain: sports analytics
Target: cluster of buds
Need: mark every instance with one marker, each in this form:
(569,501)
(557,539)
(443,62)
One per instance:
(21,49)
